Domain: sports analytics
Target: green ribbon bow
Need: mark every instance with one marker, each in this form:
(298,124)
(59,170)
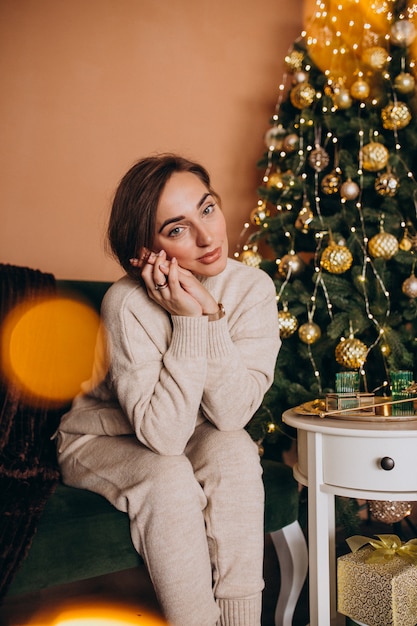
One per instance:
(385,548)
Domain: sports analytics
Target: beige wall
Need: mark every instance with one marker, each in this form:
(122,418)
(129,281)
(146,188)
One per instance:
(89,86)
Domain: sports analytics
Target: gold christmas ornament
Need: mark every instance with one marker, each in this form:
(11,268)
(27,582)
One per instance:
(290,142)
(291,261)
(383,245)
(330,183)
(319,159)
(342,98)
(409,287)
(274,137)
(404,83)
(259,214)
(403,33)
(276,180)
(287,323)
(351,353)
(389,512)
(375,57)
(395,116)
(294,60)
(336,259)
(309,332)
(374,156)
(387,184)
(302,95)
(349,190)
(405,244)
(360,89)
(304,218)
(250,257)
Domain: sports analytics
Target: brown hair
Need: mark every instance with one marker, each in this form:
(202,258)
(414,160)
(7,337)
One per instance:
(132,219)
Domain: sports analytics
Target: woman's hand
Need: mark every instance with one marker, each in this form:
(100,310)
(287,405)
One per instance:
(177,290)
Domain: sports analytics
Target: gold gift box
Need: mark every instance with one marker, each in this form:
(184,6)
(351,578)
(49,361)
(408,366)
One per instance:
(361,401)
(377,594)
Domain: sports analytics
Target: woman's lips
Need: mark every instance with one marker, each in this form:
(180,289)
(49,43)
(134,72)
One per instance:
(211,257)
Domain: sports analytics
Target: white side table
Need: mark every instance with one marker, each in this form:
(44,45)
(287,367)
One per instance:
(367,460)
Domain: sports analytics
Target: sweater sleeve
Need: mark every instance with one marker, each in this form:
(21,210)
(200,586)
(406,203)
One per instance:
(158,369)
(241,358)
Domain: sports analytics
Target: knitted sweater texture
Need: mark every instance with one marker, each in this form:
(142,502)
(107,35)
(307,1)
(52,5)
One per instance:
(165,374)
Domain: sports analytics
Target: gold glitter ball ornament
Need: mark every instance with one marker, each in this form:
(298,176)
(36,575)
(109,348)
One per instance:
(389,512)
(302,95)
(276,181)
(404,83)
(395,116)
(330,183)
(309,332)
(250,257)
(351,353)
(259,214)
(336,259)
(374,156)
(287,323)
(387,184)
(383,246)
(409,287)
(294,60)
(349,190)
(376,57)
(360,89)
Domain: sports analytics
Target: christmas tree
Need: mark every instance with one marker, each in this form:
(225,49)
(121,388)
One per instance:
(336,220)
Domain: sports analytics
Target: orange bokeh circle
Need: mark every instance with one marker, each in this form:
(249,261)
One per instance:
(48,346)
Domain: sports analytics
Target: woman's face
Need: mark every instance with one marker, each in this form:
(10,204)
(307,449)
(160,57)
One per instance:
(190,226)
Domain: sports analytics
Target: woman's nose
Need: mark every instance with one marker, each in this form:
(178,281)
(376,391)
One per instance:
(204,237)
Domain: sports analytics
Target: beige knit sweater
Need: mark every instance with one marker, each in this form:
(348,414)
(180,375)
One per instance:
(166,374)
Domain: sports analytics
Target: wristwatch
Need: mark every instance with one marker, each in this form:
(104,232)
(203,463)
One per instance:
(212,317)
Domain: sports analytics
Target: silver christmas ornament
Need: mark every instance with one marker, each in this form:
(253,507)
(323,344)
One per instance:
(403,33)
(319,159)
(349,190)
(409,287)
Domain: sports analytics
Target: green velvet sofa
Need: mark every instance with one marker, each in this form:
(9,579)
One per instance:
(80,535)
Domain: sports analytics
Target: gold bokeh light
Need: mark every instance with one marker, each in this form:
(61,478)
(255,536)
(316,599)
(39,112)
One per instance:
(48,346)
(96,613)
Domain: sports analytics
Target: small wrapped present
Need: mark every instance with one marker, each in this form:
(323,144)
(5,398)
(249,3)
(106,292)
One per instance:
(377,584)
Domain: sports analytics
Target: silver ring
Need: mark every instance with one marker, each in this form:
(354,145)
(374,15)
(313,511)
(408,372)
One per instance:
(159,286)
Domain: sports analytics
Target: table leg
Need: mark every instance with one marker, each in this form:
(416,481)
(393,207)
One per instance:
(321,532)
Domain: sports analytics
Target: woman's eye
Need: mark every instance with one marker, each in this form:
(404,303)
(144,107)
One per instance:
(176,231)
(209,208)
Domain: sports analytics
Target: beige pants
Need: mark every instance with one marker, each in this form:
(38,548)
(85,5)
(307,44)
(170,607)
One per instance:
(196,519)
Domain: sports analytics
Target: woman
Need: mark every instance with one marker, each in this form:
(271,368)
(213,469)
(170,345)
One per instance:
(192,342)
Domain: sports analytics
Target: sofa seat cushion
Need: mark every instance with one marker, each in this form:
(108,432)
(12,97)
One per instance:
(281,495)
(80,535)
